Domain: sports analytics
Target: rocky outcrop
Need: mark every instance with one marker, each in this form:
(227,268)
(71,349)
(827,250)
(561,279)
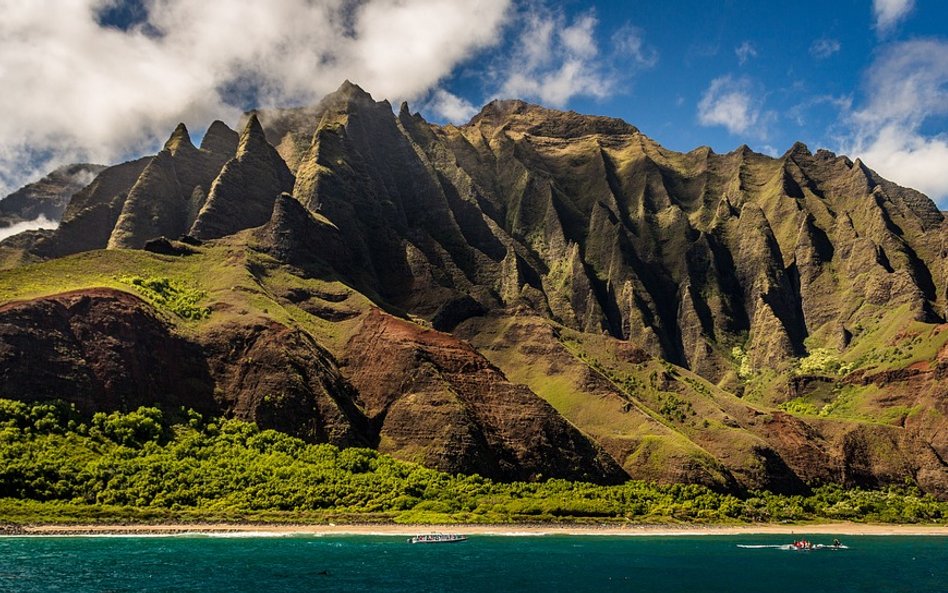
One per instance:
(311,243)
(281,378)
(435,400)
(243,194)
(169,193)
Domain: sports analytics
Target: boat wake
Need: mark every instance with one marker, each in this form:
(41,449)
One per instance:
(791,547)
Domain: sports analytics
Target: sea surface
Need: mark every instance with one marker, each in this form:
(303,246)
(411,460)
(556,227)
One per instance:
(493,564)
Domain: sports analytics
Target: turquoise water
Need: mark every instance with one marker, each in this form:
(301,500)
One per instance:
(493,564)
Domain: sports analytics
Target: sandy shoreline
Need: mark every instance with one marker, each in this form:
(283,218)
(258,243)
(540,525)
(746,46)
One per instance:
(536,530)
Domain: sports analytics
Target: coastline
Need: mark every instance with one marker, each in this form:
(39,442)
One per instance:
(263,530)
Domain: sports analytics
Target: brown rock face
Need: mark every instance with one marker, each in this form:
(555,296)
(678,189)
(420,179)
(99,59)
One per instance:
(434,399)
(106,350)
(281,378)
(100,349)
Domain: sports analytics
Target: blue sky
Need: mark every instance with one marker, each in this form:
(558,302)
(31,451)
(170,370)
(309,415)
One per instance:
(104,80)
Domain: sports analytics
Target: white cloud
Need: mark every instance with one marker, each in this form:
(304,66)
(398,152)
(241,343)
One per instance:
(731,103)
(744,52)
(558,60)
(908,82)
(629,40)
(447,106)
(906,86)
(888,13)
(30,225)
(555,59)
(824,47)
(74,89)
(910,159)
(578,38)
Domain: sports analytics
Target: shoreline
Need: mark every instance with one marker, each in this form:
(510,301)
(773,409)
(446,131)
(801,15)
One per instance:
(270,530)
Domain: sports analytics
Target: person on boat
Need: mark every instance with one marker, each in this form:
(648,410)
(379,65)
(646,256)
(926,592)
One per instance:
(837,543)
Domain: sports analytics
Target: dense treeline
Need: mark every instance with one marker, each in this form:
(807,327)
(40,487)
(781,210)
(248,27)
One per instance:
(149,465)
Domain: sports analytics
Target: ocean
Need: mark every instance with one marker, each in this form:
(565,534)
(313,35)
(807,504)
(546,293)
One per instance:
(492,564)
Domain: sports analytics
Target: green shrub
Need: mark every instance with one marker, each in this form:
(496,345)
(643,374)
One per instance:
(170,295)
(822,361)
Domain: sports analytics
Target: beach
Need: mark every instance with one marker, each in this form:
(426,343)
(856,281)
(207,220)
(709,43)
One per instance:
(250,529)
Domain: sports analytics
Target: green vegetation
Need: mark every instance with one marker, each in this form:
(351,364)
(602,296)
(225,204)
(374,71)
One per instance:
(801,406)
(149,465)
(170,295)
(822,361)
(744,369)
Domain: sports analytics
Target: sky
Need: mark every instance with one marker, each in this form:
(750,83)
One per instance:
(107,80)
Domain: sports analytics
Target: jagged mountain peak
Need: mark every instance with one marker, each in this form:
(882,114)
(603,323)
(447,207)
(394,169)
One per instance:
(350,98)
(798,149)
(180,140)
(520,116)
(352,90)
(220,139)
(252,138)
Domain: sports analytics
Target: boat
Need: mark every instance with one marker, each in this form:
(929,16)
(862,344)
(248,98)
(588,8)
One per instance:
(437,538)
(808,545)
(803,545)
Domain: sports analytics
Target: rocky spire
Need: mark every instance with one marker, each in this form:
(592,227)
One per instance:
(179,141)
(220,139)
(242,196)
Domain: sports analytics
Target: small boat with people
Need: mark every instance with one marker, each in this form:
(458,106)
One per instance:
(437,538)
(804,544)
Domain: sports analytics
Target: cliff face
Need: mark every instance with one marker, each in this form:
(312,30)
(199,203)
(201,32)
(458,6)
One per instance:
(588,222)
(727,319)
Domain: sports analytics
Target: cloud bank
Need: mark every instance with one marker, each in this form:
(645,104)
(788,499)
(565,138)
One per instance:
(906,86)
(76,89)
(30,225)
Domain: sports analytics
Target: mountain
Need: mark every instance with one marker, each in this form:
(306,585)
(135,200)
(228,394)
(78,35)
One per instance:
(47,197)
(533,294)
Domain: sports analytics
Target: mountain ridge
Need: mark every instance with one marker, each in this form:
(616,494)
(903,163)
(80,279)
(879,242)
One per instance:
(764,299)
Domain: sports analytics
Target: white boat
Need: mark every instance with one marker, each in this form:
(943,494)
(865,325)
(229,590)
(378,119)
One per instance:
(437,538)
